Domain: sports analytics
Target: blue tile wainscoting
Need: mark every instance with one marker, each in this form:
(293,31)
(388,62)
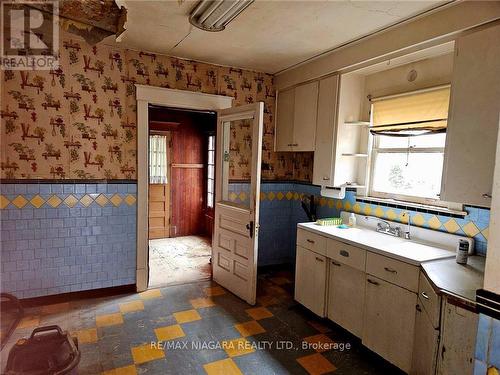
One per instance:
(487,355)
(66,237)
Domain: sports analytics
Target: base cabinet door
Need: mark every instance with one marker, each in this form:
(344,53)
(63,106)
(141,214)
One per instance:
(310,280)
(458,340)
(425,345)
(389,321)
(346,295)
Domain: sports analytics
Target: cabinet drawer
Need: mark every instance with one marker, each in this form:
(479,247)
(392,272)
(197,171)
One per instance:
(311,241)
(347,254)
(394,271)
(429,299)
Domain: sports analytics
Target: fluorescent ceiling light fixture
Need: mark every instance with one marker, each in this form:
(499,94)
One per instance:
(214,15)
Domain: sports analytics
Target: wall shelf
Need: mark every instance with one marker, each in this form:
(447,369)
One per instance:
(357,123)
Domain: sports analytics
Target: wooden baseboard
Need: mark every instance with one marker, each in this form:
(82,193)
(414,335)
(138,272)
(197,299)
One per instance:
(72,296)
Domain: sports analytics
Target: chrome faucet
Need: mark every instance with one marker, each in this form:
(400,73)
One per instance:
(385,227)
(407,234)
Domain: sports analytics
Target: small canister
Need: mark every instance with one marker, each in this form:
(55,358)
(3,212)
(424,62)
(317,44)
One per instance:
(463,251)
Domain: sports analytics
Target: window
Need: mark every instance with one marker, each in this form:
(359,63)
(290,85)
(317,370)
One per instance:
(211,171)
(408,146)
(157,159)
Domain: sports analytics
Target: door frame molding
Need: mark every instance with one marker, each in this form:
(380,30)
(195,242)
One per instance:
(145,96)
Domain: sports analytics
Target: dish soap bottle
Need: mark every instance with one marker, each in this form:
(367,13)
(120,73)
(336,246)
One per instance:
(352,220)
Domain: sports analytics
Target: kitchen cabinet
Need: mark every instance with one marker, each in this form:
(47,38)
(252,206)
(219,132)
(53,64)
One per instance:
(341,139)
(310,280)
(389,321)
(473,119)
(296,114)
(346,296)
(458,340)
(425,345)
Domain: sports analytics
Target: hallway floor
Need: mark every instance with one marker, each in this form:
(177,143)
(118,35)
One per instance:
(204,329)
(179,260)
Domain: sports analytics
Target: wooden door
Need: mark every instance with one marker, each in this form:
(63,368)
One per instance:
(471,136)
(389,321)
(425,346)
(310,280)
(236,231)
(284,120)
(346,297)
(304,118)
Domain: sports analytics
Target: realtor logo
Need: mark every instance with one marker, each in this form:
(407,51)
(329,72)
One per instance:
(29,35)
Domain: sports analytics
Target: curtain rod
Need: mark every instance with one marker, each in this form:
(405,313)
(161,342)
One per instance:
(420,91)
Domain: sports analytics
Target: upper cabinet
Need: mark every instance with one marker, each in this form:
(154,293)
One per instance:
(473,119)
(296,114)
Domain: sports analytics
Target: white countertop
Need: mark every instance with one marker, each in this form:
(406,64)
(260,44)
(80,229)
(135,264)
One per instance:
(413,252)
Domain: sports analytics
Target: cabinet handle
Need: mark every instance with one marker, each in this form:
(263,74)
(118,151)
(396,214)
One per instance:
(425,295)
(310,241)
(319,259)
(486,195)
(372,282)
(289,145)
(390,270)
(344,253)
(295,144)
(419,309)
(336,264)
(326,178)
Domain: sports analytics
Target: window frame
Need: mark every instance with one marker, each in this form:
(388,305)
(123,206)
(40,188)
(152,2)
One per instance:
(401,197)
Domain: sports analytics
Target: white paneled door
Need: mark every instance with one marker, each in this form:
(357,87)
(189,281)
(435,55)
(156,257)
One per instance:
(237,193)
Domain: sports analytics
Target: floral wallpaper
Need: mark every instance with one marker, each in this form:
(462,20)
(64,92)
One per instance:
(79,121)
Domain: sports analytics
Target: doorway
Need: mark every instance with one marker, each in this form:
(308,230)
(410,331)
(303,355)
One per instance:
(180,197)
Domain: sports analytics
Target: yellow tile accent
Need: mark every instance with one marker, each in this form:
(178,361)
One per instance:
(418,220)
(258,313)
(280,196)
(262,196)
(131,306)
(4,202)
(249,328)
(347,206)
(232,196)
(243,196)
(403,217)
(116,200)
(169,333)
(86,336)
(145,353)
(224,366)
(71,201)
(19,201)
(356,208)
(296,196)
(319,340)
(331,203)
(130,199)
(101,200)
(451,226)
(55,308)
(150,294)
(108,319)
(379,212)
(367,210)
(127,370)
(28,322)
(198,303)
(493,371)
(316,364)
(86,200)
(339,204)
(271,195)
(213,291)
(54,201)
(237,347)
(322,202)
(289,195)
(470,229)
(391,215)
(434,222)
(486,232)
(187,316)
(37,201)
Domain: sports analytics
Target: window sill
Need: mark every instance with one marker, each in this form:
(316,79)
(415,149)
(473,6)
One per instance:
(419,207)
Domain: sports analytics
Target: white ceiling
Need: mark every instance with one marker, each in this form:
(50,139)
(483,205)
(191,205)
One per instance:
(268,36)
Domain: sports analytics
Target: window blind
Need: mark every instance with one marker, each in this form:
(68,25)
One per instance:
(411,114)
(157,159)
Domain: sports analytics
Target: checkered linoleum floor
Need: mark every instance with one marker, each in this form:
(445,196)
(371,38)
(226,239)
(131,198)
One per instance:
(204,329)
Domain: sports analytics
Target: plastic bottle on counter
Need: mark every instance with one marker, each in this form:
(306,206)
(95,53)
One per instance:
(462,251)
(352,220)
